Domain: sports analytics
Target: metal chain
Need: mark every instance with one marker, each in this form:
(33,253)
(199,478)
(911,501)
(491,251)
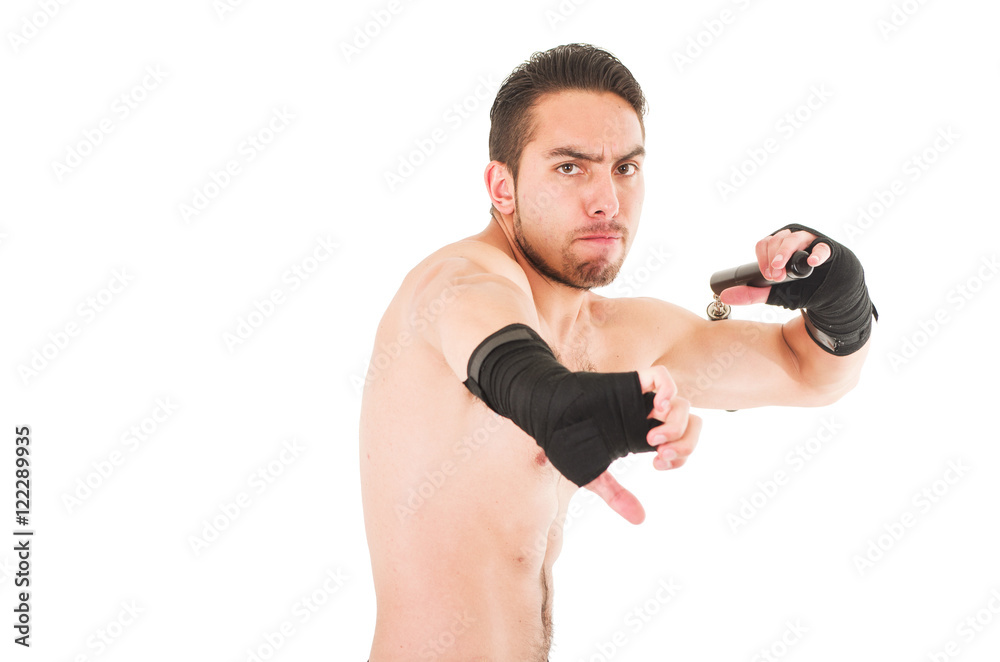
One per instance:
(718,310)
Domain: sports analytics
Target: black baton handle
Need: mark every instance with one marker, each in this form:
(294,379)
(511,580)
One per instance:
(749,274)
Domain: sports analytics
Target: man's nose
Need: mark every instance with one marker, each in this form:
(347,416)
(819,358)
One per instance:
(603,196)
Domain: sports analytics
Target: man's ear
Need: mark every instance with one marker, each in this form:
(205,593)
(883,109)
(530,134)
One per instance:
(500,186)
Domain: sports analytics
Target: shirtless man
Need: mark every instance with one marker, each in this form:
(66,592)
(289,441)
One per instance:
(463,508)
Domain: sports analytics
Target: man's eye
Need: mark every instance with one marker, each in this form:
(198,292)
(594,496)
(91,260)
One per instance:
(567,168)
(627,168)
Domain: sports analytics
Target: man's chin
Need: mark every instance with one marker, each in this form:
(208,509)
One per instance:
(587,278)
(598,272)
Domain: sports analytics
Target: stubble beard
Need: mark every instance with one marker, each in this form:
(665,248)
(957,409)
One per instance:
(572,273)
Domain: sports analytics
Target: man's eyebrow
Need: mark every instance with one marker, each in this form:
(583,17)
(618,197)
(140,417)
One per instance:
(576,153)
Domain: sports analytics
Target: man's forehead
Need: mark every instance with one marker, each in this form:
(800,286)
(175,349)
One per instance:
(587,122)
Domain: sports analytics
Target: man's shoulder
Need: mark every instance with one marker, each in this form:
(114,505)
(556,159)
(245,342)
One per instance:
(473,252)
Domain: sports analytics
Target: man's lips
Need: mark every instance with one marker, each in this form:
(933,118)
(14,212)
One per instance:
(602,238)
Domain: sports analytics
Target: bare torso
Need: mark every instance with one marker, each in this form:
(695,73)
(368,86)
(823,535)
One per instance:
(463,511)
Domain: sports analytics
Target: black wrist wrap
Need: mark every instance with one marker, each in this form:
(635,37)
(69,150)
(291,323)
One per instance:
(838,311)
(582,420)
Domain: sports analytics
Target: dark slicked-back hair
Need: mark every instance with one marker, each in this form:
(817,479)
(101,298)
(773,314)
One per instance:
(568,67)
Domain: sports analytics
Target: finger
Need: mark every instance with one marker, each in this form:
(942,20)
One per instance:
(674,454)
(673,425)
(664,458)
(617,497)
(773,252)
(767,249)
(784,249)
(778,254)
(656,378)
(820,254)
(763,256)
(743,295)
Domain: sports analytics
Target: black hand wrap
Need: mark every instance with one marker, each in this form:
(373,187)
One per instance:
(582,420)
(838,311)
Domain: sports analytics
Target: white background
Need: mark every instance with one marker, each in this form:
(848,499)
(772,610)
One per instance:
(191,281)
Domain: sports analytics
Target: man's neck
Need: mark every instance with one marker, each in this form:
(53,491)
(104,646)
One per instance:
(560,307)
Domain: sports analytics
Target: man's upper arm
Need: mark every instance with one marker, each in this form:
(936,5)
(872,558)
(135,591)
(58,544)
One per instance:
(482,289)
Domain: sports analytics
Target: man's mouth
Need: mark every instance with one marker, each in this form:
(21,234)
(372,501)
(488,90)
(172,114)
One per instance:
(602,238)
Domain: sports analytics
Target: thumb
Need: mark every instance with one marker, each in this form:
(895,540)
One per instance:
(743,295)
(617,497)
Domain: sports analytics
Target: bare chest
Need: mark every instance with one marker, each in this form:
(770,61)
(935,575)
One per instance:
(580,351)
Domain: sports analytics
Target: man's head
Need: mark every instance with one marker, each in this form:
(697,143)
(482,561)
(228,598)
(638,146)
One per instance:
(568,67)
(566,146)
